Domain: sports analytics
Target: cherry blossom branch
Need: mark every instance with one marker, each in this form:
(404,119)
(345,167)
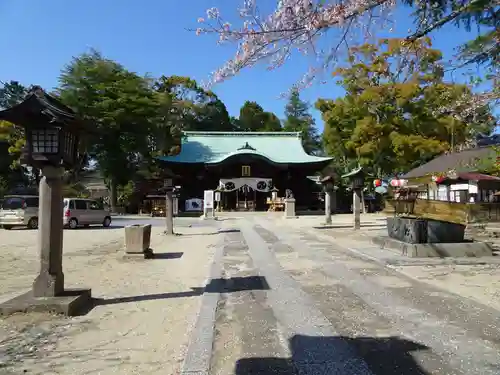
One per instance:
(294,24)
(450,17)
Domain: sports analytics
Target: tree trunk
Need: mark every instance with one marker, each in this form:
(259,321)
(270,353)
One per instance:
(113,195)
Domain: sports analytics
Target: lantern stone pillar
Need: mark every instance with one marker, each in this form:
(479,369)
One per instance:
(52,133)
(328,189)
(50,280)
(328,207)
(169,213)
(356,208)
(357,178)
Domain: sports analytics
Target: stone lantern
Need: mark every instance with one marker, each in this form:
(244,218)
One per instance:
(274,194)
(52,137)
(329,189)
(357,181)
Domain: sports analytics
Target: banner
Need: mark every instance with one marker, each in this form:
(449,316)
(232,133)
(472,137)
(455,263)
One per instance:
(263,185)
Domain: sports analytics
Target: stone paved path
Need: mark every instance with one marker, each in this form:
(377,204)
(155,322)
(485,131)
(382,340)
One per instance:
(290,302)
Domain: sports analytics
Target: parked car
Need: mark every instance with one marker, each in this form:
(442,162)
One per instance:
(85,212)
(19,211)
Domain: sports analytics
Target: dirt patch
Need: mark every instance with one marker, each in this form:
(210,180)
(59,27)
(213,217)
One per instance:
(478,282)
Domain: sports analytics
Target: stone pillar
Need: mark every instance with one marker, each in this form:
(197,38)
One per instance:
(290,208)
(208,213)
(333,202)
(328,207)
(363,207)
(176,206)
(50,280)
(169,213)
(356,201)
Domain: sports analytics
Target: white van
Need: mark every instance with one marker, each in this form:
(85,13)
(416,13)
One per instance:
(85,212)
(19,211)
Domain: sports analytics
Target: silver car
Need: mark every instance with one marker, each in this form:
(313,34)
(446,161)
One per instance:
(19,211)
(85,212)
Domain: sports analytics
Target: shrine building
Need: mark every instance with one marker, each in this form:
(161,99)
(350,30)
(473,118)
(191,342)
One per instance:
(246,165)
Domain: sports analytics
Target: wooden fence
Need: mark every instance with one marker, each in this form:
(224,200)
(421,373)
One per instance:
(460,213)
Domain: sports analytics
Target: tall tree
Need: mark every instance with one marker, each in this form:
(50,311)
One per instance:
(192,107)
(390,118)
(12,93)
(254,118)
(11,137)
(122,107)
(298,119)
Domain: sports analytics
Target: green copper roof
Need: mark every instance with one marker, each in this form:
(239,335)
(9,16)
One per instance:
(215,147)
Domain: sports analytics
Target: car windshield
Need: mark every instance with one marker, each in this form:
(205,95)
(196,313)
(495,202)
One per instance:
(12,203)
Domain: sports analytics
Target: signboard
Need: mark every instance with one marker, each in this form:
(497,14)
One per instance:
(176,206)
(168,183)
(217,196)
(208,201)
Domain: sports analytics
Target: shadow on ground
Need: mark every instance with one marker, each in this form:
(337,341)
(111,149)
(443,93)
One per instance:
(231,285)
(367,226)
(340,355)
(175,255)
(222,231)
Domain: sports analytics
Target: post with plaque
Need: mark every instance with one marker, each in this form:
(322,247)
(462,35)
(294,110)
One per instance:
(218,200)
(357,179)
(169,206)
(208,205)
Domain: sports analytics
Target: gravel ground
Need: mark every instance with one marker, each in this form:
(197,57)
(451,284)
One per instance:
(480,282)
(145,308)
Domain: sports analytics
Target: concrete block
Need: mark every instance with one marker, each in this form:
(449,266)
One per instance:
(445,232)
(71,302)
(289,212)
(409,230)
(137,238)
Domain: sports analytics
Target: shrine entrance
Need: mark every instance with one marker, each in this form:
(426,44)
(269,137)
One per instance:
(245,194)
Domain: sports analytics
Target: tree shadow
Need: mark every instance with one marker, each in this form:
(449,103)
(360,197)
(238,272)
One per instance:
(174,255)
(340,355)
(222,231)
(231,285)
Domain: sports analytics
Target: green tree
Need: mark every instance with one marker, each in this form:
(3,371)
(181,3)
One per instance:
(121,106)
(254,118)
(12,93)
(192,107)
(11,137)
(390,118)
(298,119)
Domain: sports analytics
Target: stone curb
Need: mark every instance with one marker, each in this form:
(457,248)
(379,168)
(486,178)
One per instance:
(199,351)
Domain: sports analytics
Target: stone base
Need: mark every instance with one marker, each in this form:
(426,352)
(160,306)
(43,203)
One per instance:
(203,217)
(73,302)
(440,250)
(146,254)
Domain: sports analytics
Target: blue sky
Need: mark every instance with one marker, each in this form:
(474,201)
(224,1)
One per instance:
(150,36)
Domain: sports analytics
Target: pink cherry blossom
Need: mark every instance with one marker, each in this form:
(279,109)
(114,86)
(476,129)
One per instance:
(299,25)
(293,25)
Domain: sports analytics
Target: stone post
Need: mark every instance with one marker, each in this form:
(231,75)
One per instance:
(328,207)
(333,201)
(356,201)
(289,208)
(169,213)
(50,280)
(363,206)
